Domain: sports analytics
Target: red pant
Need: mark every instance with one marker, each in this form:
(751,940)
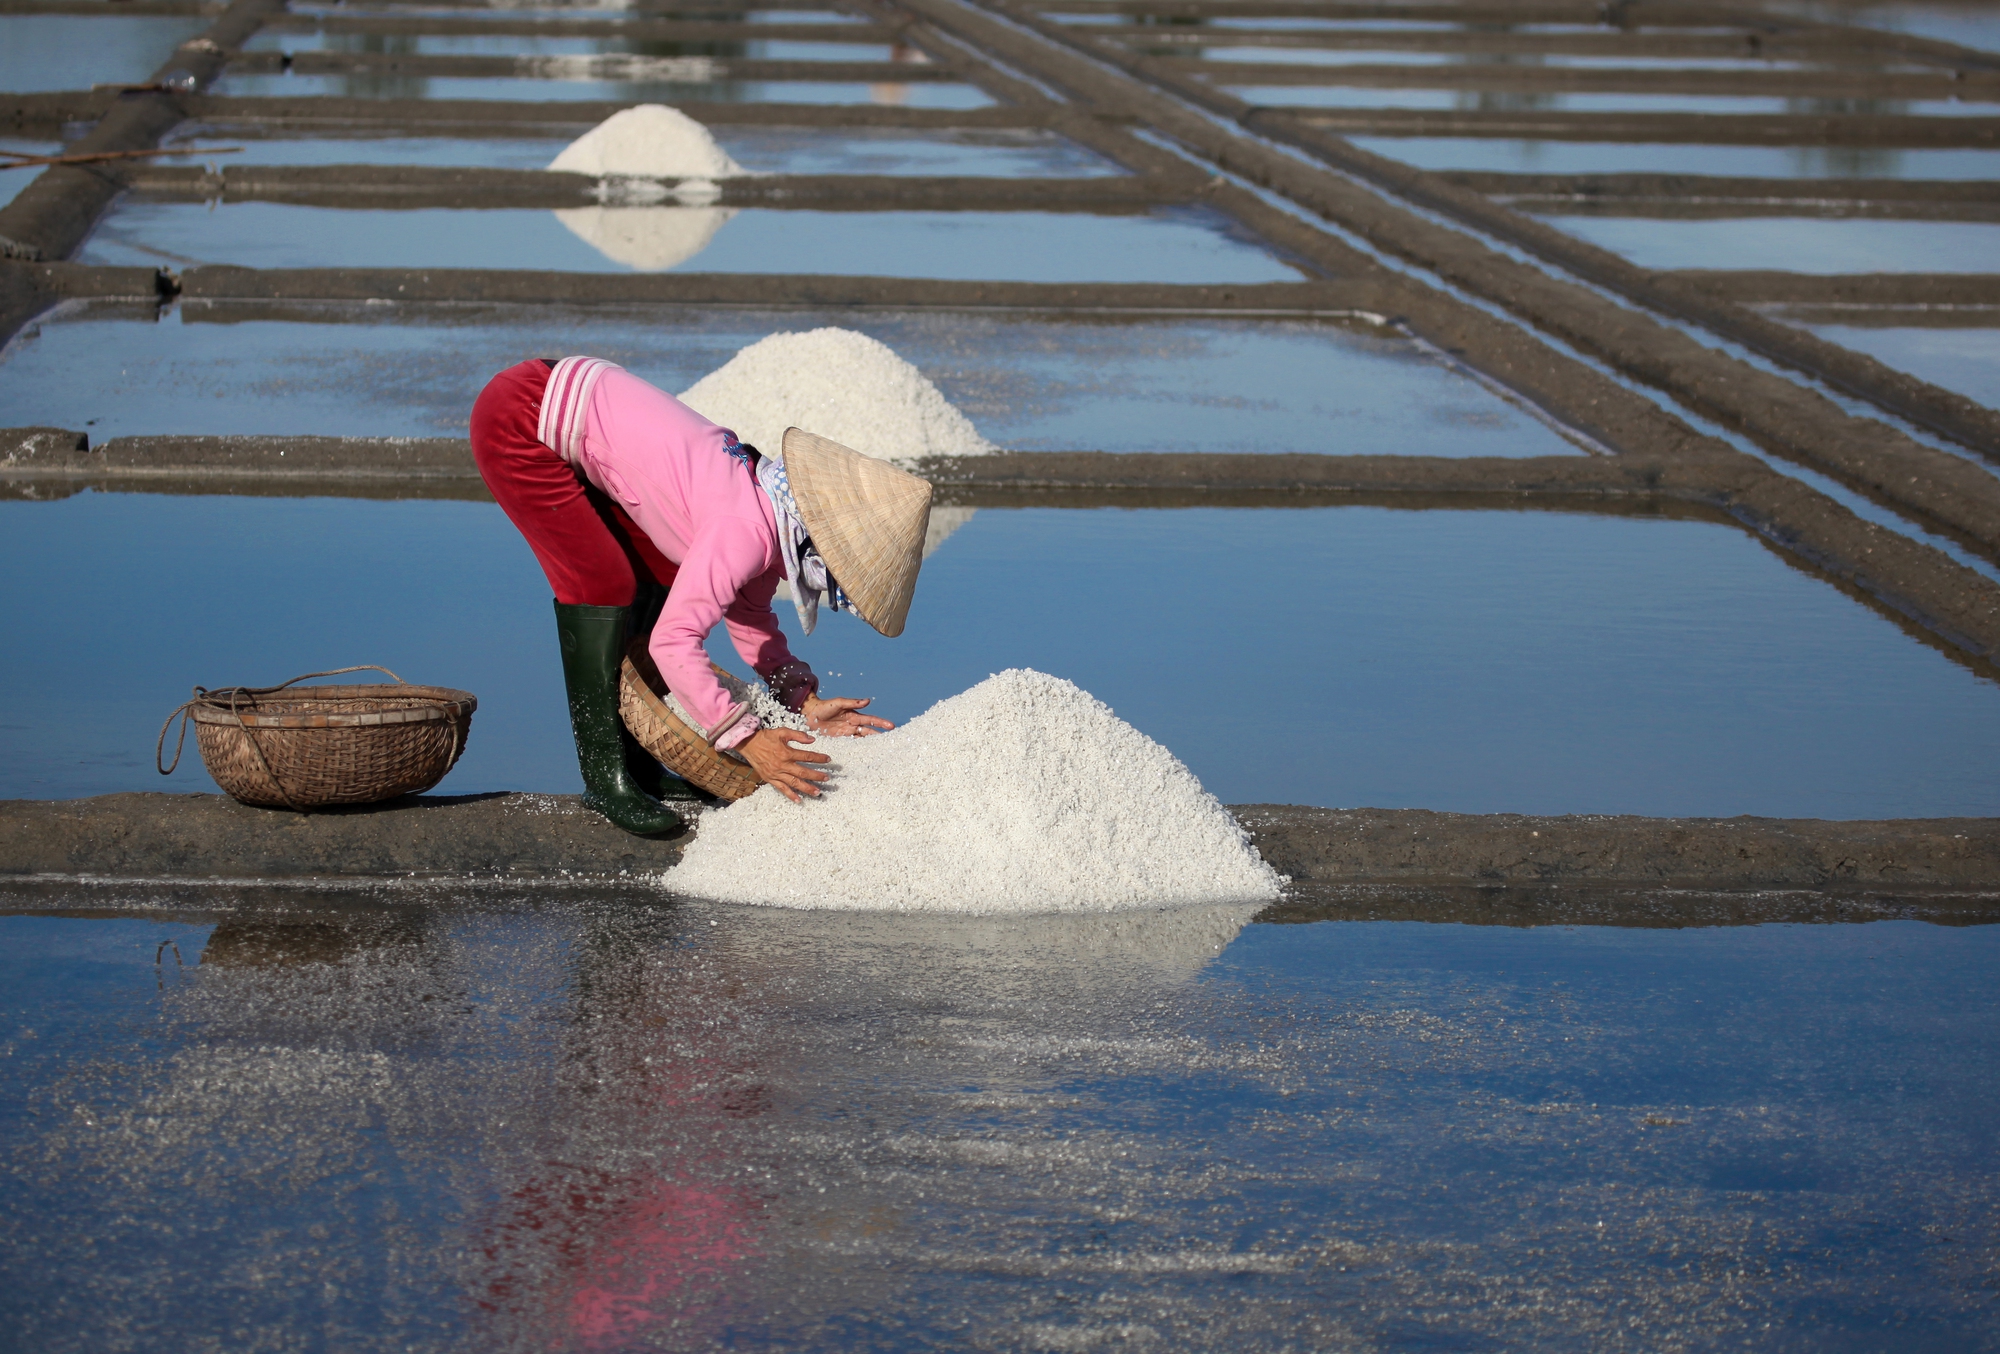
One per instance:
(593,553)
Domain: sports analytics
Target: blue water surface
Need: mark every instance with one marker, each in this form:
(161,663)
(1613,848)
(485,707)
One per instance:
(1471,661)
(427,1119)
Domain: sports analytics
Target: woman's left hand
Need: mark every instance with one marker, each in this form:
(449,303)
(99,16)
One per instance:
(841,717)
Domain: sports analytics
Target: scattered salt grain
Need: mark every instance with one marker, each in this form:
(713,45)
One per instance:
(1024,794)
(839,384)
(770,711)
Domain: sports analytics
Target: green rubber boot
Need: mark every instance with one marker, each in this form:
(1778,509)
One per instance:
(593,643)
(641,765)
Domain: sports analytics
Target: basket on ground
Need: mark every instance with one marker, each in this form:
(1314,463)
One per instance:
(682,750)
(323,745)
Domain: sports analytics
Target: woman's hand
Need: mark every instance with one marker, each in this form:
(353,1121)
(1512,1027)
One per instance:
(772,755)
(841,717)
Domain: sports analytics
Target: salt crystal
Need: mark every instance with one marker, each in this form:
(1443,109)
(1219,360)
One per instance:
(1024,794)
(839,384)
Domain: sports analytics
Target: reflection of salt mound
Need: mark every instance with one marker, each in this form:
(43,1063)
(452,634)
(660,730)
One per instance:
(1024,794)
(632,69)
(839,384)
(1022,957)
(648,239)
(944,521)
(649,141)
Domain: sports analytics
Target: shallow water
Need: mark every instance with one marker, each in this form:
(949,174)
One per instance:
(762,150)
(1472,661)
(1968,25)
(1795,244)
(1586,157)
(1964,360)
(514,1122)
(1167,245)
(1029,384)
(915,94)
(45,52)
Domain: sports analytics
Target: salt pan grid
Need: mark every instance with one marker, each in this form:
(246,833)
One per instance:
(1524,303)
(1721,387)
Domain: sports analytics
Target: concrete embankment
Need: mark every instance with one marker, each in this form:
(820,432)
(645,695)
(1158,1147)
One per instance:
(196,837)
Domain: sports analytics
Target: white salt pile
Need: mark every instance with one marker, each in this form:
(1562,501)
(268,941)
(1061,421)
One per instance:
(650,141)
(839,384)
(1024,794)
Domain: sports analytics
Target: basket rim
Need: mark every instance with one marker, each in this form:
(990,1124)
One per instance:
(632,678)
(437,702)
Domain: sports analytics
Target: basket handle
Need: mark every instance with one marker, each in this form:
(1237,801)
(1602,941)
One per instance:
(335,672)
(185,713)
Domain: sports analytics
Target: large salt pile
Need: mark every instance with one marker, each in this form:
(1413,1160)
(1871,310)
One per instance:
(839,384)
(1024,794)
(650,141)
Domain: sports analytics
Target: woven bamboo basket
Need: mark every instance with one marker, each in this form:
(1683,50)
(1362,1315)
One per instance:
(324,745)
(682,750)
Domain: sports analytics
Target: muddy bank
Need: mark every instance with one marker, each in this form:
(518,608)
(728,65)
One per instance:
(1336,846)
(1680,129)
(1591,904)
(197,836)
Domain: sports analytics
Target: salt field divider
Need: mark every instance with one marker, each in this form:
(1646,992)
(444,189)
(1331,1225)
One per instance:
(1764,287)
(1771,84)
(499,24)
(477,118)
(1906,131)
(1787,419)
(512,836)
(1654,15)
(1711,197)
(1765,41)
(1792,422)
(415,187)
(608,66)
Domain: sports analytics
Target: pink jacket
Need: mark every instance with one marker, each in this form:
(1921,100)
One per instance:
(666,466)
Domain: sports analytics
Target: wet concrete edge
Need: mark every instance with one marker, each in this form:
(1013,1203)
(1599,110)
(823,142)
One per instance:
(191,837)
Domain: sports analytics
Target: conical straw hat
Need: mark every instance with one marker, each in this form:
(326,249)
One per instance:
(868,520)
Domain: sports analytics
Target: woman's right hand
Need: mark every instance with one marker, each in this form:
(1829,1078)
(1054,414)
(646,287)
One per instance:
(771,754)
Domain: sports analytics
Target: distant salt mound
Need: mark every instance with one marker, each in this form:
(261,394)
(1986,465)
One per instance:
(839,384)
(650,141)
(1024,794)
